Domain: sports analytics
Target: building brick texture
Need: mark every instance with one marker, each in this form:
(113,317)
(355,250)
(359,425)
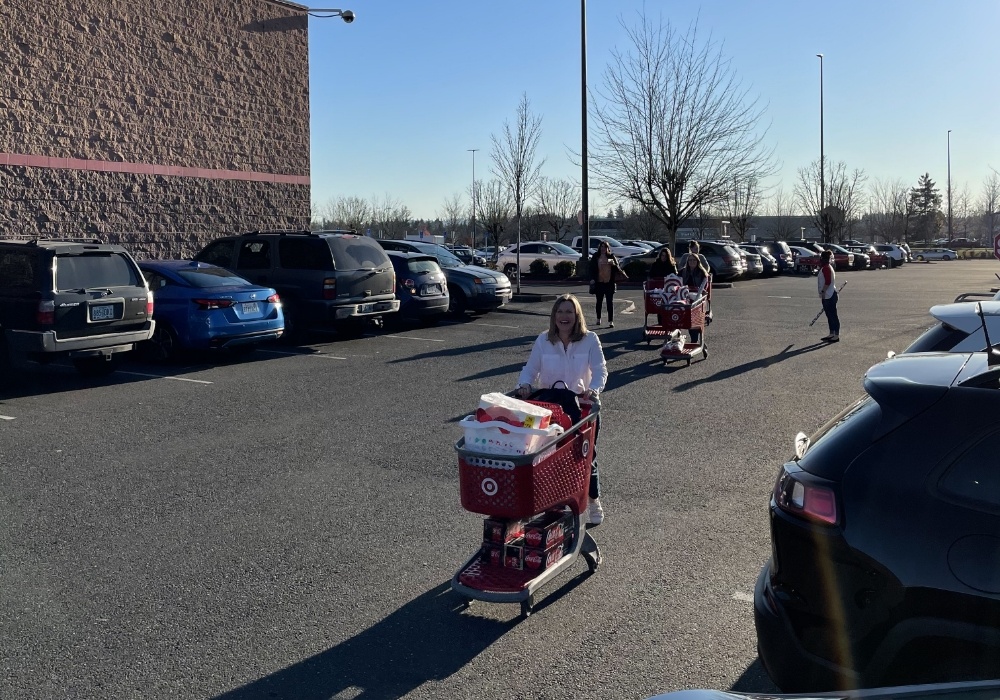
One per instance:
(159,125)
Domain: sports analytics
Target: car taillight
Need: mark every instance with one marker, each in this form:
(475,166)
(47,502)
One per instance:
(408,283)
(806,500)
(149,304)
(209,304)
(274,299)
(46,313)
(330,288)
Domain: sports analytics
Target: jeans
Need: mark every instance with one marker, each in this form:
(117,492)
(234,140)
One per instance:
(604,290)
(832,319)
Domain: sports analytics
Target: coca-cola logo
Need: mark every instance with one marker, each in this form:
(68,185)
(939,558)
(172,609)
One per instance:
(533,538)
(533,559)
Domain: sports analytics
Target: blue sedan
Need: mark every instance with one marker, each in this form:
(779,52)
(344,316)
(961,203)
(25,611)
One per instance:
(198,306)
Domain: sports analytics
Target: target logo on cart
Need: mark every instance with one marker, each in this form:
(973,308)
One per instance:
(675,316)
(585,448)
(489,487)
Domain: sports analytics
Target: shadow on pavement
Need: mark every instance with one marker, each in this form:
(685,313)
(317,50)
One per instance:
(428,639)
(785,354)
(755,680)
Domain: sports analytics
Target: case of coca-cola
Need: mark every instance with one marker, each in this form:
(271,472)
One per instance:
(502,530)
(491,554)
(550,528)
(517,555)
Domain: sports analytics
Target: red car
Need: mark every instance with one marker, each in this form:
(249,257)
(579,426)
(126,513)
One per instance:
(843,259)
(878,260)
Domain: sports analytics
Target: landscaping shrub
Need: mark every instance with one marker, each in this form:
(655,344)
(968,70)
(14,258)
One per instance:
(538,268)
(565,269)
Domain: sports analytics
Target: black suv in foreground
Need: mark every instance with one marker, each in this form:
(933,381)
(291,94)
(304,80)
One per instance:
(68,299)
(885,534)
(326,279)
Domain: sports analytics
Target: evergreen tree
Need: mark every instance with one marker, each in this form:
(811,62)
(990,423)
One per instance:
(925,209)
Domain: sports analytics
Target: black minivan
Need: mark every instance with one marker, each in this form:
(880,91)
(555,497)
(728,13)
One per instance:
(326,279)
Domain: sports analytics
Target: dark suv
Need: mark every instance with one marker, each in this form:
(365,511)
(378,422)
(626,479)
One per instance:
(885,535)
(68,299)
(326,279)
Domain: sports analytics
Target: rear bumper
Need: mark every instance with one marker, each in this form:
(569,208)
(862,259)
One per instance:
(370,309)
(48,342)
(422,307)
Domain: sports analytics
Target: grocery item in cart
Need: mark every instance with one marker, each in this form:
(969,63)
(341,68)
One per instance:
(550,528)
(500,407)
(502,530)
(498,438)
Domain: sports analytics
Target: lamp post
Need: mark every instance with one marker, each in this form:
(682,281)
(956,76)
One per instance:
(949,187)
(822,164)
(473,151)
(585,204)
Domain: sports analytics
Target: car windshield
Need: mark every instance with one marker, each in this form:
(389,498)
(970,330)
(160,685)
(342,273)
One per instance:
(563,249)
(212,277)
(444,256)
(94,270)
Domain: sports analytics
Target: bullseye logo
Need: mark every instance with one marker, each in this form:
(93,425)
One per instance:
(675,317)
(489,486)
(585,448)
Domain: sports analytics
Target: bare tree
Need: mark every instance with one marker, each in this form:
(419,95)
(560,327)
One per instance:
(641,225)
(742,205)
(781,208)
(493,207)
(676,128)
(557,202)
(844,197)
(887,209)
(989,205)
(513,157)
(452,214)
(347,212)
(390,217)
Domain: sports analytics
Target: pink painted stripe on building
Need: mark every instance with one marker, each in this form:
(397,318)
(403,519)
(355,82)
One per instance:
(107,166)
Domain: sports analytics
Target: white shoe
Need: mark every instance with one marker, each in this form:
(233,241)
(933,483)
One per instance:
(611,325)
(595,513)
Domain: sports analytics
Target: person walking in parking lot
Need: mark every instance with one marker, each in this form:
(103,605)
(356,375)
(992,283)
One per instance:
(827,283)
(663,265)
(694,248)
(604,273)
(567,353)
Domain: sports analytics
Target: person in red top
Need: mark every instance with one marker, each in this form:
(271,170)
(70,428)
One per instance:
(827,283)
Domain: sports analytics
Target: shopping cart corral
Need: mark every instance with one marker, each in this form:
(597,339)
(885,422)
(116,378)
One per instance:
(676,311)
(546,486)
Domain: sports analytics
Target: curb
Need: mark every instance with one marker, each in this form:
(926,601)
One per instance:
(529,297)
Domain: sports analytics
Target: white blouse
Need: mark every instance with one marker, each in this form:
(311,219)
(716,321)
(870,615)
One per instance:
(581,365)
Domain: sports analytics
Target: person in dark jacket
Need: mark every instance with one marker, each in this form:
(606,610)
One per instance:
(663,265)
(604,273)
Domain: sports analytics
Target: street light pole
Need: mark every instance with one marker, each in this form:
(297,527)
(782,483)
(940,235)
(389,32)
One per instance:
(949,187)
(822,164)
(473,150)
(585,210)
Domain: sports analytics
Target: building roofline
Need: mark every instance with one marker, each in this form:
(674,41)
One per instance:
(286,3)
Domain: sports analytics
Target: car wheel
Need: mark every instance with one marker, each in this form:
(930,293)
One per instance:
(920,258)
(163,346)
(97,366)
(946,257)
(292,330)
(458,303)
(510,270)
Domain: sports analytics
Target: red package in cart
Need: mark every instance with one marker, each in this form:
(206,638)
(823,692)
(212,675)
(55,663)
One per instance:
(550,528)
(513,554)
(501,530)
(542,559)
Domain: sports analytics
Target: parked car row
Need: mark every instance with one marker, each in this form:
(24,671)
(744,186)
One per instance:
(90,302)
(885,523)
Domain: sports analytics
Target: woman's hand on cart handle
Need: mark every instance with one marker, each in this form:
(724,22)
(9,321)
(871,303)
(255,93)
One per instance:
(523,390)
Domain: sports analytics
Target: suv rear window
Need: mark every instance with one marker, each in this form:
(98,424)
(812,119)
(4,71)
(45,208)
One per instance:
(17,270)
(95,270)
(937,338)
(422,265)
(356,253)
(304,254)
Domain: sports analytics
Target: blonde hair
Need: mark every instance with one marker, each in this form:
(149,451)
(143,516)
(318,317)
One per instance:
(579,327)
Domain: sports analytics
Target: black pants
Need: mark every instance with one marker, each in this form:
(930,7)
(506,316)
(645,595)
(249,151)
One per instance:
(605,290)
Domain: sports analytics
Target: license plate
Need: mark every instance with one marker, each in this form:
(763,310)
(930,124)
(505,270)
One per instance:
(251,307)
(430,290)
(105,312)
(366,308)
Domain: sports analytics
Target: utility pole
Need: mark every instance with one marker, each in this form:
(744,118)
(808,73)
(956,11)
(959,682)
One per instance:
(473,150)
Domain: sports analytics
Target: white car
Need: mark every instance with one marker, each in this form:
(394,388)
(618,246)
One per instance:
(551,252)
(959,328)
(897,255)
(935,254)
(618,248)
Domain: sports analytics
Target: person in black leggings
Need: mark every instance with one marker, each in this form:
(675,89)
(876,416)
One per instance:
(604,273)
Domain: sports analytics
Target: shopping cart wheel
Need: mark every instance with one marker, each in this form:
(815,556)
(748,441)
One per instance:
(704,351)
(593,560)
(527,605)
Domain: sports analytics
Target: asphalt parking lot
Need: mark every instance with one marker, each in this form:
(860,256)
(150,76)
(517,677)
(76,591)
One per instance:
(286,525)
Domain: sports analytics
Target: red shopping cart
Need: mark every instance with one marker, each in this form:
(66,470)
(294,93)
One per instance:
(553,480)
(677,315)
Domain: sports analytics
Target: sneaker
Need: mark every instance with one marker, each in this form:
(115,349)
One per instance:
(598,322)
(826,338)
(833,339)
(595,513)
(611,325)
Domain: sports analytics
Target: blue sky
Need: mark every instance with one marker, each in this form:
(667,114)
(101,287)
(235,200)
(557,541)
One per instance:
(398,96)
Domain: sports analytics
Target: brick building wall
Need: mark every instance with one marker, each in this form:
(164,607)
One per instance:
(159,125)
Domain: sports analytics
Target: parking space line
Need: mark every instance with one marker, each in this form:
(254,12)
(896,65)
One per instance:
(413,337)
(289,353)
(6,417)
(161,376)
(743,597)
(770,296)
(495,325)
(325,356)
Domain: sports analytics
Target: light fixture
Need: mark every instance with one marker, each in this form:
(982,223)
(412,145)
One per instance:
(346,15)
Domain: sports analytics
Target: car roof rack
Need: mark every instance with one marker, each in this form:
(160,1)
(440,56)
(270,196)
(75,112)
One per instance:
(298,232)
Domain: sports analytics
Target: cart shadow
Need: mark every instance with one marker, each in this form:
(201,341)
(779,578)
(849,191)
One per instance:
(761,363)
(428,639)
